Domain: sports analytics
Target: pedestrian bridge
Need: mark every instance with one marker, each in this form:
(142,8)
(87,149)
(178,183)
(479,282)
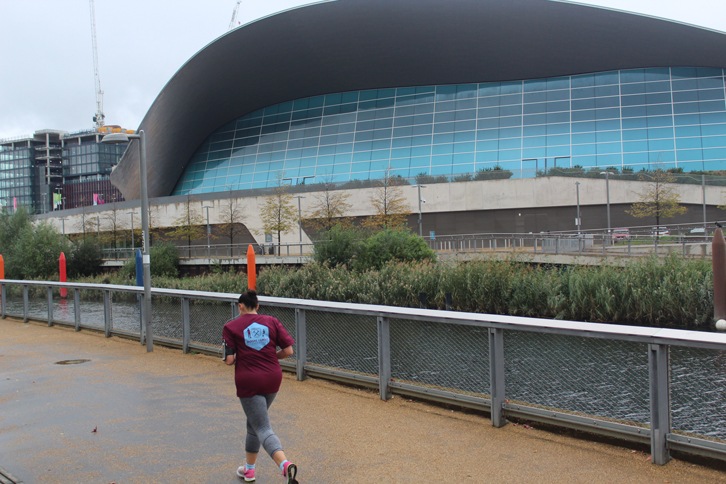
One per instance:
(168,417)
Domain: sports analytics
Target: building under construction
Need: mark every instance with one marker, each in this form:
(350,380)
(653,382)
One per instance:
(53,170)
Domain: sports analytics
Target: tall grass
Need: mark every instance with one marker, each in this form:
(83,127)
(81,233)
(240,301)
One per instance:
(650,291)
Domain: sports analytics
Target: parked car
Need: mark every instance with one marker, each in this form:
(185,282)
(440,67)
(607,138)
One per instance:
(698,231)
(621,234)
(660,231)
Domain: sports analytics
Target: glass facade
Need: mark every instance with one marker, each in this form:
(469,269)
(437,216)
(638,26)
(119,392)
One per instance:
(640,119)
(16,176)
(91,159)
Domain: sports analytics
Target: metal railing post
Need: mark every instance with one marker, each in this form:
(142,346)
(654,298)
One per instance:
(142,327)
(185,325)
(496,375)
(302,343)
(3,299)
(25,303)
(50,306)
(107,324)
(660,416)
(629,245)
(77,308)
(384,358)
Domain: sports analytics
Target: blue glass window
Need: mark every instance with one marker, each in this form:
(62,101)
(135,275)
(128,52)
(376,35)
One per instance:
(576,120)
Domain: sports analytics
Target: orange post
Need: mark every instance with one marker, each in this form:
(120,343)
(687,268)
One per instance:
(251,269)
(2,267)
(62,263)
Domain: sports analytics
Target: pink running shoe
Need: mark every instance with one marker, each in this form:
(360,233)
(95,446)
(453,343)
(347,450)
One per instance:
(247,474)
(290,471)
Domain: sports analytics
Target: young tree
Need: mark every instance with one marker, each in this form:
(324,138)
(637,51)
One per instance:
(329,208)
(231,213)
(189,224)
(388,202)
(113,224)
(658,199)
(278,213)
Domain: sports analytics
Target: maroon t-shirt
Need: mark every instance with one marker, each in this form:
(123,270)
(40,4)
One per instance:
(255,338)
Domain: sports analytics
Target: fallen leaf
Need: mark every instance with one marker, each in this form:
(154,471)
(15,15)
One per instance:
(649,457)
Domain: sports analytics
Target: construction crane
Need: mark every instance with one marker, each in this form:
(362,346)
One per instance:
(98,118)
(234,15)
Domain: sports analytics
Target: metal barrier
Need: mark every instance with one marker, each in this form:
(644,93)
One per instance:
(664,387)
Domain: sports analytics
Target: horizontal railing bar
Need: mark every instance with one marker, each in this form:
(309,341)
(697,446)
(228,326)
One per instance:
(342,376)
(441,396)
(594,425)
(695,445)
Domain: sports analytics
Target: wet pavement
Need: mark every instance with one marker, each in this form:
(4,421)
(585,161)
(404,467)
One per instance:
(166,417)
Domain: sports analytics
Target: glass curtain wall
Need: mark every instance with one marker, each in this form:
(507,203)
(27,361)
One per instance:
(639,119)
(16,177)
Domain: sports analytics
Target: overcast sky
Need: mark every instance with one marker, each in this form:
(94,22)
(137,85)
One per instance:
(46,59)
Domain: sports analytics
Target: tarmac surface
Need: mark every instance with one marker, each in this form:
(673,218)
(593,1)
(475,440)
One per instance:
(165,417)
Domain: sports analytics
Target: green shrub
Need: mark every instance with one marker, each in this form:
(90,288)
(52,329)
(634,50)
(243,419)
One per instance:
(392,244)
(85,258)
(340,246)
(30,250)
(164,262)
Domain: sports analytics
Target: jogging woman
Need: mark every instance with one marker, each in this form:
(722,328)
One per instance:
(251,343)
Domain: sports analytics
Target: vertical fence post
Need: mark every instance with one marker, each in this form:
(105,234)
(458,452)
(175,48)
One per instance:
(50,306)
(107,313)
(185,325)
(25,303)
(449,301)
(496,375)
(422,302)
(660,411)
(3,299)
(77,307)
(301,339)
(384,358)
(142,327)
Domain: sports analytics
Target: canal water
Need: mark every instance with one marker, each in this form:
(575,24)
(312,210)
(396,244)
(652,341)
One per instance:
(584,375)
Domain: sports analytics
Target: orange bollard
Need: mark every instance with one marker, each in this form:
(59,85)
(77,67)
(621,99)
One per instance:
(62,263)
(251,269)
(2,267)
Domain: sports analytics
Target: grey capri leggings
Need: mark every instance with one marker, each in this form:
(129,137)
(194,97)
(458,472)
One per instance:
(259,429)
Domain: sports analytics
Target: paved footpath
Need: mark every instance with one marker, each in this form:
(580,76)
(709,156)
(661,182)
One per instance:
(165,417)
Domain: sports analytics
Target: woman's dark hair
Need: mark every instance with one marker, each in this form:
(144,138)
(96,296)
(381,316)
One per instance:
(249,299)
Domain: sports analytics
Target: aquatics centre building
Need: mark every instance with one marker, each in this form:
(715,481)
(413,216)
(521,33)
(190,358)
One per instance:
(345,89)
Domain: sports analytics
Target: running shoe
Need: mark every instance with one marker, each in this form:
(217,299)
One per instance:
(247,474)
(290,472)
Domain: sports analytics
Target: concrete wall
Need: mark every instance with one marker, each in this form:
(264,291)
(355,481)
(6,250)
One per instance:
(518,205)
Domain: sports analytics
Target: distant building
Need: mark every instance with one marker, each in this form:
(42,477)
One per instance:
(53,170)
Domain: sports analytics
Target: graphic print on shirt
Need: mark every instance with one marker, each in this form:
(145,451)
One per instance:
(257,336)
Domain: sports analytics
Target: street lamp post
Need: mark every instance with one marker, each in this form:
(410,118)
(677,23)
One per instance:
(115,138)
(209,231)
(579,221)
(420,224)
(607,191)
(299,219)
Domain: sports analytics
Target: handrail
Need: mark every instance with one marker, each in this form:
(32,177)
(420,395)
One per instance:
(640,334)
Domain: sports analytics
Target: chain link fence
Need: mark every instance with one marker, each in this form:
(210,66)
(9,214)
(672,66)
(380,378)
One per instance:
(342,341)
(698,391)
(443,356)
(587,376)
(605,376)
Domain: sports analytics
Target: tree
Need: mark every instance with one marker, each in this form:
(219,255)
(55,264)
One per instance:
(189,224)
(231,213)
(329,208)
(115,223)
(278,213)
(388,203)
(658,199)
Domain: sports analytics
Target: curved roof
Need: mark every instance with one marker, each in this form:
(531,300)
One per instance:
(350,45)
